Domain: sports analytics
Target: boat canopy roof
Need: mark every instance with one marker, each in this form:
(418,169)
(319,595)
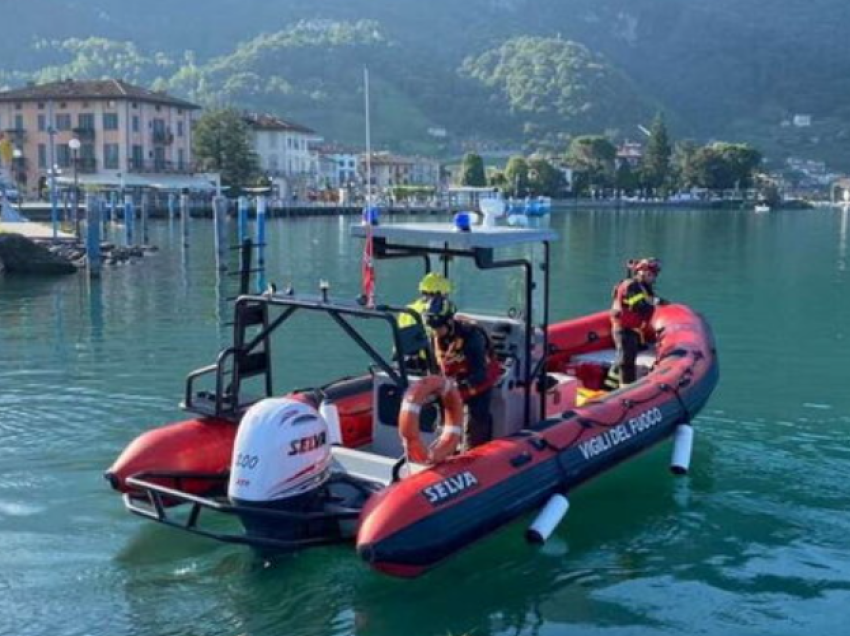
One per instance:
(417,234)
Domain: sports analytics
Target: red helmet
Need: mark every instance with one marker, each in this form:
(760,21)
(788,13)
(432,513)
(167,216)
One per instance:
(650,264)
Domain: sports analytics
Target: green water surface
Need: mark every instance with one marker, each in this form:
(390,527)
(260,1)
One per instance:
(755,541)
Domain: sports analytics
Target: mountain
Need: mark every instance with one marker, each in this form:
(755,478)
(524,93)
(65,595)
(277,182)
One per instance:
(505,71)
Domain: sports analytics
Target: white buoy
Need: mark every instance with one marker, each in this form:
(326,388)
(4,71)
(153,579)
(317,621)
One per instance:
(330,413)
(683,446)
(548,519)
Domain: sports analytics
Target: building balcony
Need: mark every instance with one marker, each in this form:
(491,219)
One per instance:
(17,135)
(164,137)
(84,134)
(160,167)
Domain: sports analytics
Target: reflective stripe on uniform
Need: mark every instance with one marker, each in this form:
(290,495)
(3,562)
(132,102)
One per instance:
(633,300)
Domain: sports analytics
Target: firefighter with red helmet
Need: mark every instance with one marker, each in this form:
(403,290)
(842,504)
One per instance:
(464,353)
(632,309)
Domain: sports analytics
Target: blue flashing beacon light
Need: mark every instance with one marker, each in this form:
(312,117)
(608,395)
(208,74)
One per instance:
(463,221)
(371,216)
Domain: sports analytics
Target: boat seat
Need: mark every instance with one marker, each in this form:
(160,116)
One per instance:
(367,466)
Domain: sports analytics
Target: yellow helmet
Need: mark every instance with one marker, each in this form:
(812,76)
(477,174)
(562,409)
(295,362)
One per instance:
(434,283)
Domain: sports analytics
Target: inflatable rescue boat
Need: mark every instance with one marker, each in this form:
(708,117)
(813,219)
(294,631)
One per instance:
(329,463)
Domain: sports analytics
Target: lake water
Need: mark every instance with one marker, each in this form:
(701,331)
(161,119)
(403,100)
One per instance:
(755,541)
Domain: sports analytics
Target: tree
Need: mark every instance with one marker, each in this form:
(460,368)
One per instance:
(222,144)
(655,166)
(742,159)
(497,179)
(683,169)
(544,178)
(472,171)
(516,174)
(592,156)
(626,179)
(723,166)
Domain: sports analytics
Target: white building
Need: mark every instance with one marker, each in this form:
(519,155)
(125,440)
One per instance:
(284,152)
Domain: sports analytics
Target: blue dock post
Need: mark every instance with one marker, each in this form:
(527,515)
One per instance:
(261,243)
(129,219)
(171,206)
(103,208)
(93,234)
(242,223)
(220,227)
(146,202)
(184,219)
(113,205)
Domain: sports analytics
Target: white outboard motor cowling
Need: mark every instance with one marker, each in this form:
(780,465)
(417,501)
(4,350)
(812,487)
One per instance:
(281,461)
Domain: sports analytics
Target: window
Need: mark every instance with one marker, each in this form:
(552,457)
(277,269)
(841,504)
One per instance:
(63,156)
(42,123)
(42,156)
(110,156)
(63,121)
(181,159)
(110,121)
(179,128)
(85,121)
(19,122)
(138,156)
(273,162)
(41,105)
(17,105)
(159,158)
(110,103)
(135,123)
(135,104)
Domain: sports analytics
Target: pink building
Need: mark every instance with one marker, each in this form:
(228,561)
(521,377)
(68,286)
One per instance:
(127,134)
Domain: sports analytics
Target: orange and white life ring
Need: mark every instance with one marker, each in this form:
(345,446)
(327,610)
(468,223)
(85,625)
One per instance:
(416,396)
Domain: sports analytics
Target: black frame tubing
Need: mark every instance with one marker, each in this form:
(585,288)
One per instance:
(483,258)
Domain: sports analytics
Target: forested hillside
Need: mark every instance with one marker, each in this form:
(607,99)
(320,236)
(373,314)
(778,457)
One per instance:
(504,71)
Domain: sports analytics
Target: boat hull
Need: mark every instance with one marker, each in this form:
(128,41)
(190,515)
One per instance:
(414,524)
(420,521)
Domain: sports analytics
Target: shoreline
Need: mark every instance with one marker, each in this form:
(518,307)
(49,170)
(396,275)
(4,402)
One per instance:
(42,212)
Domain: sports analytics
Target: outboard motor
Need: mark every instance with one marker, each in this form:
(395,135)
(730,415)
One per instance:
(281,462)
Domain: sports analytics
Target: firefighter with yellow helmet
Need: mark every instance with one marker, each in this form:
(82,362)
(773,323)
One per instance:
(431,286)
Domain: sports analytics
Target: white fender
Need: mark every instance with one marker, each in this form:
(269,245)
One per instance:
(548,519)
(683,446)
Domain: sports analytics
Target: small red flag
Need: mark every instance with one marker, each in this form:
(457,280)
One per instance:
(368,269)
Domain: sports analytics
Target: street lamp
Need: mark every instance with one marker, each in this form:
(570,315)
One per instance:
(74,145)
(17,154)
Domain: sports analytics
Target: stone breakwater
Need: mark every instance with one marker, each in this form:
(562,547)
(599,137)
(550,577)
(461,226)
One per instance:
(22,255)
